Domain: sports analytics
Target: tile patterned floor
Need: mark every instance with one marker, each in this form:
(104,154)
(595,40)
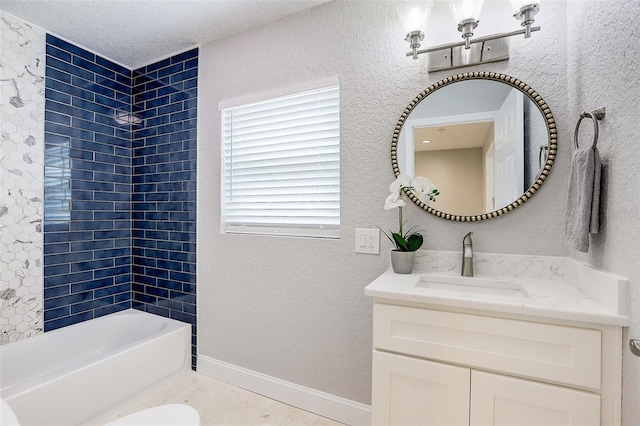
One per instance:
(221,404)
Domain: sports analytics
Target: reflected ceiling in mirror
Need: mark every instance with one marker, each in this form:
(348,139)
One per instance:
(487,140)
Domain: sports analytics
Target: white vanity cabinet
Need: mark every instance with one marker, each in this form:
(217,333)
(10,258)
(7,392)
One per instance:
(435,366)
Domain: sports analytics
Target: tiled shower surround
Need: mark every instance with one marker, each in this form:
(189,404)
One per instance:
(164,188)
(21,163)
(120,186)
(87,186)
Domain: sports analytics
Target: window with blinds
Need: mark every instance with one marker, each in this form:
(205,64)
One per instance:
(281,165)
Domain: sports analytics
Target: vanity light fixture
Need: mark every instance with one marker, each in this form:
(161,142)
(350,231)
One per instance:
(413,15)
(491,48)
(466,13)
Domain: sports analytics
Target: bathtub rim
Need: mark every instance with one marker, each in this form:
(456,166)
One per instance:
(19,389)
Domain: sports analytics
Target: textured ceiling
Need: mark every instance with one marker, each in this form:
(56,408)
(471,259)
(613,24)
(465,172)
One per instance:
(138,32)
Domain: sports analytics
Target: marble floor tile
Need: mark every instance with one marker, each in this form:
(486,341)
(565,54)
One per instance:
(219,403)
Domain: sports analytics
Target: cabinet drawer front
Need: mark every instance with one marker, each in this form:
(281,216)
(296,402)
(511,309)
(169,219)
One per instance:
(554,353)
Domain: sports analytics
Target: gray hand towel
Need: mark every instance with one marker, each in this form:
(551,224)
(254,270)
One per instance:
(583,201)
(594,226)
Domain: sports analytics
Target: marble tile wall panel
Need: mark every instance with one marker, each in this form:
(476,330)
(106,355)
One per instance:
(22,68)
(493,264)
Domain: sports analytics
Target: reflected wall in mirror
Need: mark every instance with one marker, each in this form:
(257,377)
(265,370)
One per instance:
(488,142)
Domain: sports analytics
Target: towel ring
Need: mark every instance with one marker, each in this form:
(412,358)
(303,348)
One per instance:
(596,115)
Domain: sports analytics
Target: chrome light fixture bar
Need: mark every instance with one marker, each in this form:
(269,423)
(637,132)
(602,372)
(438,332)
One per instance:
(414,14)
(473,40)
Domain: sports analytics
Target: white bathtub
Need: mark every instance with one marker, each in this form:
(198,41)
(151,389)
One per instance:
(81,373)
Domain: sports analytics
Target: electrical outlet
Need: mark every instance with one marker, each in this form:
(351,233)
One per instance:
(367,241)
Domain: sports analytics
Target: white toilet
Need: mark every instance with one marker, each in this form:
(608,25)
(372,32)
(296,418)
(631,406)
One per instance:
(163,415)
(7,416)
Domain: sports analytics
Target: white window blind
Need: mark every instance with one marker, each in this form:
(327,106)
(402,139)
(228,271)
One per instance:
(281,165)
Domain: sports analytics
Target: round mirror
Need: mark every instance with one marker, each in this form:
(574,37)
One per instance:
(486,140)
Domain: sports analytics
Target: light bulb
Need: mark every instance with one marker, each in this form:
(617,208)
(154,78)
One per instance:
(466,13)
(465,9)
(413,14)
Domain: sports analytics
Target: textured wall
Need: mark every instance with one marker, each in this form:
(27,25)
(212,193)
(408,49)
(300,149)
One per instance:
(87,186)
(294,308)
(21,153)
(164,188)
(603,70)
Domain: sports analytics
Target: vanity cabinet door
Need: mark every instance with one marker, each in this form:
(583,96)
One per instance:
(409,391)
(507,401)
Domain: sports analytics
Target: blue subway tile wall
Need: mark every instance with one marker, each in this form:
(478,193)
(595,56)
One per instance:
(120,187)
(88,172)
(163,198)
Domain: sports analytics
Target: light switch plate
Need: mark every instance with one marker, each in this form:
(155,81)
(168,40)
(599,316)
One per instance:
(367,241)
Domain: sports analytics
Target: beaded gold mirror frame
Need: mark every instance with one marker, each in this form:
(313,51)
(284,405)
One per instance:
(502,78)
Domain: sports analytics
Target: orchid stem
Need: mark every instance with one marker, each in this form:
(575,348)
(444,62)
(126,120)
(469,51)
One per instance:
(400,219)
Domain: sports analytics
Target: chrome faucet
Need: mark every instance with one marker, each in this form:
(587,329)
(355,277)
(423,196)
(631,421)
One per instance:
(467,256)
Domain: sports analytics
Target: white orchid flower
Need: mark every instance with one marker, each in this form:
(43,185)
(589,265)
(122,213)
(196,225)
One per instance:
(424,189)
(424,184)
(394,200)
(402,181)
(422,197)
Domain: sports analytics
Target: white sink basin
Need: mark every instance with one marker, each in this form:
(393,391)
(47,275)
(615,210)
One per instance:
(473,285)
(535,286)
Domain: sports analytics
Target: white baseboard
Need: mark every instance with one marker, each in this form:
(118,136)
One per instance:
(321,403)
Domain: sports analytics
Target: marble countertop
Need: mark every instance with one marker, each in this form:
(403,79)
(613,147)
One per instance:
(590,296)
